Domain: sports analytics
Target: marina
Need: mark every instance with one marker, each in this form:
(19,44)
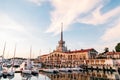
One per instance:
(67,76)
(59,40)
(84,64)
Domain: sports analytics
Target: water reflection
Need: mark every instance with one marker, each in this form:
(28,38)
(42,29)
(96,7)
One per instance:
(26,77)
(10,77)
(85,76)
(67,76)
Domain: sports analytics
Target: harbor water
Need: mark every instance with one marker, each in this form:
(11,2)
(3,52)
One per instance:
(67,76)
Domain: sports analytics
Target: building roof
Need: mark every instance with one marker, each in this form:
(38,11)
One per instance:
(112,53)
(82,50)
(44,55)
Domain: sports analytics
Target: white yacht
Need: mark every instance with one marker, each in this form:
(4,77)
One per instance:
(27,68)
(34,71)
(65,69)
(51,70)
(1,70)
(11,72)
(77,69)
(4,73)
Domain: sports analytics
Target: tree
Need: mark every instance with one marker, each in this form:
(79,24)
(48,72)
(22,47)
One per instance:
(106,50)
(117,47)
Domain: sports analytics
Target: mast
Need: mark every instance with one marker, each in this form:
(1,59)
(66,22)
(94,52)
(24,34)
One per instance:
(39,55)
(14,57)
(30,64)
(30,51)
(4,50)
(14,52)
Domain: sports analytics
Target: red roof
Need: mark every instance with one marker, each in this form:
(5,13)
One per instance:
(112,53)
(82,50)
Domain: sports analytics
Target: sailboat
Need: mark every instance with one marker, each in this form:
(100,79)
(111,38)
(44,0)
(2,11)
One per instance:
(0,69)
(11,72)
(28,67)
(4,71)
(7,63)
(16,64)
(34,70)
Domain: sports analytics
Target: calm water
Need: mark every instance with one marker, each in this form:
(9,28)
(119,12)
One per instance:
(69,76)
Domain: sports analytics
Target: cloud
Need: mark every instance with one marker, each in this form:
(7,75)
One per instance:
(9,29)
(96,17)
(111,19)
(13,32)
(112,33)
(37,2)
(67,11)
(7,23)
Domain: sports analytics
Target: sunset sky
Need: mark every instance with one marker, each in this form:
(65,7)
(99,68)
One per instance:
(36,23)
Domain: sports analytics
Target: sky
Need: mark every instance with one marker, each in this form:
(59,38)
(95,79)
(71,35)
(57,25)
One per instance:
(86,24)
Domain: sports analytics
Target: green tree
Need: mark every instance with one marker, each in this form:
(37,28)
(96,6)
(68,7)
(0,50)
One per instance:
(106,50)
(117,47)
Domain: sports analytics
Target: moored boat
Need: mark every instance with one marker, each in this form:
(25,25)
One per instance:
(34,71)
(51,70)
(4,73)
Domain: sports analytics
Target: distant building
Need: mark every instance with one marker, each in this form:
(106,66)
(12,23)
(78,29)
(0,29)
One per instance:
(113,55)
(61,57)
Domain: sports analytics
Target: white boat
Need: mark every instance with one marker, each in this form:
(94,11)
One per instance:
(1,70)
(4,73)
(1,73)
(26,71)
(51,70)
(16,65)
(65,69)
(27,66)
(11,72)
(77,69)
(10,77)
(34,71)
(6,64)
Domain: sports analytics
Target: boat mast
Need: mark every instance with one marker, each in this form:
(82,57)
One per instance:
(14,56)
(30,64)
(39,54)
(30,51)
(4,51)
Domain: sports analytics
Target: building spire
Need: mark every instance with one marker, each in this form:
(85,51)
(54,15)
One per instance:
(61,31)
(61,44)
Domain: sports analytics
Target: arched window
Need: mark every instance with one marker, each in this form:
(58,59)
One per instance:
(55,55)
(61,55)
(58,55)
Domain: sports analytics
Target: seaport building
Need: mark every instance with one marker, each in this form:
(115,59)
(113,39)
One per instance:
(62,57)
